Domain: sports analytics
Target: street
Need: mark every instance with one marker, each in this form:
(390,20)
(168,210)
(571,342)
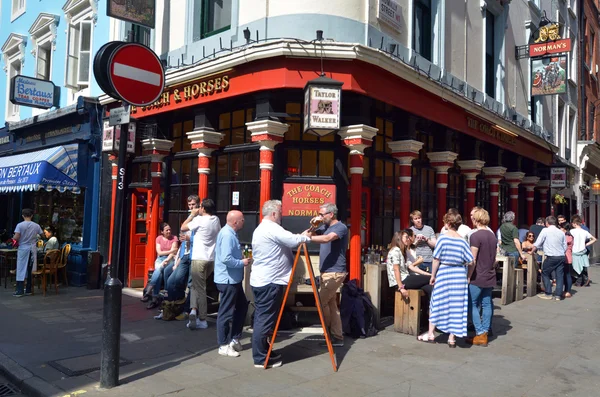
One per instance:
(540,348)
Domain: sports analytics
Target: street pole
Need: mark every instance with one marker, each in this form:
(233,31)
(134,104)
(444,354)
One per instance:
(111,319)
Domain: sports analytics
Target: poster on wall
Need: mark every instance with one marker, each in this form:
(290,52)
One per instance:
(111,136)
(549,75)
(140,12)
(558,177)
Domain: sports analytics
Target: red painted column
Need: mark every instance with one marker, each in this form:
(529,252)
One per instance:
(405,152)
(544,189)
(514,180)
(470,169)
(441,161)
(114,163)
(493,175)
(356,138)
(157,149)
(268,133)
(205,140)
(530,183)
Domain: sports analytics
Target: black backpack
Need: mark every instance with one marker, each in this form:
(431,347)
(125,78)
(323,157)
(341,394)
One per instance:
(357,312)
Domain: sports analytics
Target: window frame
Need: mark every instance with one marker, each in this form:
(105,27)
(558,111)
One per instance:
(12,111)
(205,18)
(77,12)
(16,13)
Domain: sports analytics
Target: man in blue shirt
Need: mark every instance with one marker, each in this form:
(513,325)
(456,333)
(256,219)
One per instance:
(229,274)
(554,244)
(334,243)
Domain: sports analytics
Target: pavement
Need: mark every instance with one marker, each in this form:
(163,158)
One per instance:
(50,346)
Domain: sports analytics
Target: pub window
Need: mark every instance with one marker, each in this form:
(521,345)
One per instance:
(211,17)
(385,196)
(179,131)
(456,193)
(422,43)
(385,131)
(423,190)
(233,126)
(482,193)
(309,159)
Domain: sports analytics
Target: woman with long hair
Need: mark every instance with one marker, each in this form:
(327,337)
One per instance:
(166,248)
(407,271)
(450,298)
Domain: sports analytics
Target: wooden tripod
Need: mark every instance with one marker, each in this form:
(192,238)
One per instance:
(302,248)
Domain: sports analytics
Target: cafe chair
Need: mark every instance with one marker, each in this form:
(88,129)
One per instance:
(64,255)
(49,267)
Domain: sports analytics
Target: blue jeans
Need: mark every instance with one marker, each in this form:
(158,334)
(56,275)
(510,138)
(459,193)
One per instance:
(233,307)
(160,273)
(515,255)
(481,298)
(426,266)
(177,281)
(553,264)
(267,303)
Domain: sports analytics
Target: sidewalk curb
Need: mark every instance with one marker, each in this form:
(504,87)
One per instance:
(25,380)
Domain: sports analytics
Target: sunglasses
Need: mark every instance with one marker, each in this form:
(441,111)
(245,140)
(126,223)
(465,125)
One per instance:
(324,213)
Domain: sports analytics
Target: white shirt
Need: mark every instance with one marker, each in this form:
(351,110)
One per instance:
(205,236)
(272,254)
(463,231)
(579,237)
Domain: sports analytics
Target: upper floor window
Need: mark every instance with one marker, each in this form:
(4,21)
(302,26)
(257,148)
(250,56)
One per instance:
(13,53)
(81,15)
(139,34)
(43,39)
(211,17)
(490,59)
(422,29)
(591,49)
(18,9)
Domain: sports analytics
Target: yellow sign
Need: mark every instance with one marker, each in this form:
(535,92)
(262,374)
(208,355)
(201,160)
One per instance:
(548,32)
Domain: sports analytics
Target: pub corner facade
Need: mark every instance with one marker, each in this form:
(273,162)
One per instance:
(437,110)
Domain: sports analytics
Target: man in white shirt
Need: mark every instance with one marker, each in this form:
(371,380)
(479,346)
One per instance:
(273,259)
(206,227)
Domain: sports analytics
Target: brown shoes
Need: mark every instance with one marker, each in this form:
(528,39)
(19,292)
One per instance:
(479,340)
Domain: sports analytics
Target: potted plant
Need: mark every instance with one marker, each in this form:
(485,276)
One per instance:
(559,199)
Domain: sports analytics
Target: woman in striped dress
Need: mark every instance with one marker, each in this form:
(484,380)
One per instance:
(450,299)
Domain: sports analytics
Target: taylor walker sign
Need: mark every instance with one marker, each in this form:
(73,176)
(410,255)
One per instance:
(35,93)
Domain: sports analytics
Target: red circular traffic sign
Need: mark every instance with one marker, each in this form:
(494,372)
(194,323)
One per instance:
(136,74)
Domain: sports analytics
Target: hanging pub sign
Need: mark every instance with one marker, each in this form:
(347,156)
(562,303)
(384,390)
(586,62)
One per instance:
(322,103)
(558,177)
(549,75)
(549,42)
(112,134)
(140,12)
(35,93)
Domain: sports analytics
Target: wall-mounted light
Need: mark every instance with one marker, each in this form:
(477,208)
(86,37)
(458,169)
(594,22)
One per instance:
(595,186)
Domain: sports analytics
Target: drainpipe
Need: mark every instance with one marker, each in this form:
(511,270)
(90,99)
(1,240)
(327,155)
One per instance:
(582,107)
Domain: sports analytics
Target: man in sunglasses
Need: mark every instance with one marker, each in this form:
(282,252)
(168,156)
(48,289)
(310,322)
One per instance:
(333,237)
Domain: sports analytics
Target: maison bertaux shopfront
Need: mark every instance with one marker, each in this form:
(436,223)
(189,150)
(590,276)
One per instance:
(232,129)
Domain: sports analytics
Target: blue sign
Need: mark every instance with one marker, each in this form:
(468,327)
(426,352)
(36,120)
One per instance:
(31,176)
(35,93)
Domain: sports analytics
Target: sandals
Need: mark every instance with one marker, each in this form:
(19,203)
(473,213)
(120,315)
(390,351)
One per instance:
(452,344)
(425,338)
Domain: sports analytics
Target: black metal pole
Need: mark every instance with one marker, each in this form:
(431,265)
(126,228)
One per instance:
(111,321)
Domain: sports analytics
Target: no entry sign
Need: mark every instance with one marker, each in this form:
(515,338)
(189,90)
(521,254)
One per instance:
(129,72)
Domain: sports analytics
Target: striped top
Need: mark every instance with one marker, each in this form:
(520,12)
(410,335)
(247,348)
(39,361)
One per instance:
(452,251)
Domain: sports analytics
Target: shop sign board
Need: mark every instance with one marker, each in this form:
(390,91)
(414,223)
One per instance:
(140,12)
(390,12)
(35,93)
(558,177)
(112,134)
(322,105)
(304,199)
(549,75)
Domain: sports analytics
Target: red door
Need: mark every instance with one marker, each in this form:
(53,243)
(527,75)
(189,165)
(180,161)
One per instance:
(138,237)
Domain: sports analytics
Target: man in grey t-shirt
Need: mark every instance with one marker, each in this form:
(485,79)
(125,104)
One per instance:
(424,240)
(334,243)
(26,233)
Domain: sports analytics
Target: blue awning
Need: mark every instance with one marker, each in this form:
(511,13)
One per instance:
(53,168)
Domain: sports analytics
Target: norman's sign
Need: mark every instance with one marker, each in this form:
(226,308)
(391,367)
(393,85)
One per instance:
(304,199)
(35,93)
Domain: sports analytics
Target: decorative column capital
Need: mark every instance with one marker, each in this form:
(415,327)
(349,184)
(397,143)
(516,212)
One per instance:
(442,161)
(267,132)
(357,137)
(494,174)
(471,168)
(405,151)
(543,184)
(205,140)
(530,182)
(514,178)
(156,148)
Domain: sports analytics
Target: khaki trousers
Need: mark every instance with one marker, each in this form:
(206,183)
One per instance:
(330,283)
(201,270)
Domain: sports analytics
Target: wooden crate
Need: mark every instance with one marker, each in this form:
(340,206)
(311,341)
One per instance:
(407,312)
